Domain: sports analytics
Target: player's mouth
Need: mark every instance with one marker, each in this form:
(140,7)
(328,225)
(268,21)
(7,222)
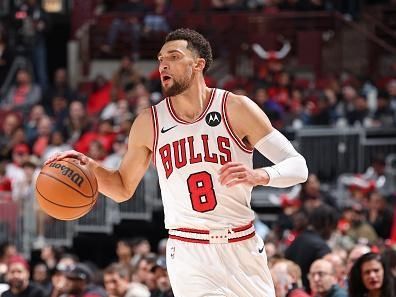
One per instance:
(166,78)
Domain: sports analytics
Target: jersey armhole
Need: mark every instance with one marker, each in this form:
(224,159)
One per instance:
(154,118)
(227,124)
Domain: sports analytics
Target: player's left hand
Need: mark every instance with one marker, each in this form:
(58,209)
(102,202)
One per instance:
(235,173)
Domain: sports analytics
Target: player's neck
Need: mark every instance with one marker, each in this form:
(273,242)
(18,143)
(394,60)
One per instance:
(191,103)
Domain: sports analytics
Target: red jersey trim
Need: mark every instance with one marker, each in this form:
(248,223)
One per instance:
(155,127)
(203,241)
(188,230)
(199,231)
(189,239)
(242,238)
(236,139)
(181,121)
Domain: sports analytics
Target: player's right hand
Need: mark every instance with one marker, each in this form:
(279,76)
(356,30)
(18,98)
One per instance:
(84,160)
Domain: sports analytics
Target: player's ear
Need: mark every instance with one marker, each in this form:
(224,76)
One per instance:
(200,64)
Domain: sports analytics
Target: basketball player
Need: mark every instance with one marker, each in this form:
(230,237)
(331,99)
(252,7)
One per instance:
(201,140)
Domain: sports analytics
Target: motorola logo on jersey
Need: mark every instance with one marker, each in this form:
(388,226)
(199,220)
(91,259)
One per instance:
(213,118)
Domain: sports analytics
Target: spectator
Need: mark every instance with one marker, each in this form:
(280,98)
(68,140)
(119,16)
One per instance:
(379,215)
(50,256)
(35,114)
(287,279)
(14,170)
(162,279)
(383,115)
(100,95)
(125,78)
(323,280)
(10,125)
(273,110)
(7,251)
(79,282)
(31,170)
(5,184)
(339,266)
(311,244)
(141,247)
(391,89)
(41,277)
(60,88)
(116,278)
(23,94)
(6,56)
(143,274)
(356,252)
(311,195)
(104,134)
(370,276)
(359,229)
(76,123)
(130,25)
(56,144)
(124,252)
(18,280)
(33,29)
(58,279)
(113,160)
(157,19)
(96,150)
(44,130)
(117,112)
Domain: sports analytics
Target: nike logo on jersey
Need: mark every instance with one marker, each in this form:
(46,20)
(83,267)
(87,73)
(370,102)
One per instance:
(163,130)
(261,250)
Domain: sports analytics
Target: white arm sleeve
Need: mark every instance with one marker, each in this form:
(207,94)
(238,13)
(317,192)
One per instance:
(290,167)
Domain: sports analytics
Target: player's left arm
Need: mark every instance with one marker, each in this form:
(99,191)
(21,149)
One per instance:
(254,128)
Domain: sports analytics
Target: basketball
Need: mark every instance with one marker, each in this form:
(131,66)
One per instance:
(66,189)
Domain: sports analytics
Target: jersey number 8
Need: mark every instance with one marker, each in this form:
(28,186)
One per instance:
(202,195)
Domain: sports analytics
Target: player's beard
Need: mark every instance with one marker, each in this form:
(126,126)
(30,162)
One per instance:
(178,87)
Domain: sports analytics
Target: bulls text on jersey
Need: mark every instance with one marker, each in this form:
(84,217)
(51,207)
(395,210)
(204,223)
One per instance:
(189,150)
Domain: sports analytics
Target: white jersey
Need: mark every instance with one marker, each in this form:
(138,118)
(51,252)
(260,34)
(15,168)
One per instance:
(188,157)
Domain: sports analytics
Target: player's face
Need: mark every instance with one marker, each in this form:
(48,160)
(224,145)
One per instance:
(176,66)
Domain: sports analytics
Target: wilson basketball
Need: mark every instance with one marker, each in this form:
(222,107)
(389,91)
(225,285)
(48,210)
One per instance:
(66,190)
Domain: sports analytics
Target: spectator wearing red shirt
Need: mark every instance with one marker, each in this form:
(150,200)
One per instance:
(104,135)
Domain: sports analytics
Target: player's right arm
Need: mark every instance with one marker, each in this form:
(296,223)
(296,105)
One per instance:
(120,184)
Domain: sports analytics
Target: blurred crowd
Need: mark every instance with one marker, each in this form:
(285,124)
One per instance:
(135,272)
(319,246)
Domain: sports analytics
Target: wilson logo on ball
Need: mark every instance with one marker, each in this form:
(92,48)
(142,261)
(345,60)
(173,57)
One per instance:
(66,171)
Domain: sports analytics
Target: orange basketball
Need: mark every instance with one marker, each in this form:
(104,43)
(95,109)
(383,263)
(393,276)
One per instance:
(66,190)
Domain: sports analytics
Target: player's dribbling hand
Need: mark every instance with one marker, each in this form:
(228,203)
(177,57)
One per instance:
(84,160)
(234,173)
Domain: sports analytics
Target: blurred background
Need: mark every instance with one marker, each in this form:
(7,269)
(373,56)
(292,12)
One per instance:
(74,74)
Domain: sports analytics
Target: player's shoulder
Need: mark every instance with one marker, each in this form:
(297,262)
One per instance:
(144,117)
(238,102)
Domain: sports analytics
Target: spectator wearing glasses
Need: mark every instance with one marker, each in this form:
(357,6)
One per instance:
(323,281)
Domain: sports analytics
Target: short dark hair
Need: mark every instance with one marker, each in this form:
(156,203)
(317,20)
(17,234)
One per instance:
(195,42)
